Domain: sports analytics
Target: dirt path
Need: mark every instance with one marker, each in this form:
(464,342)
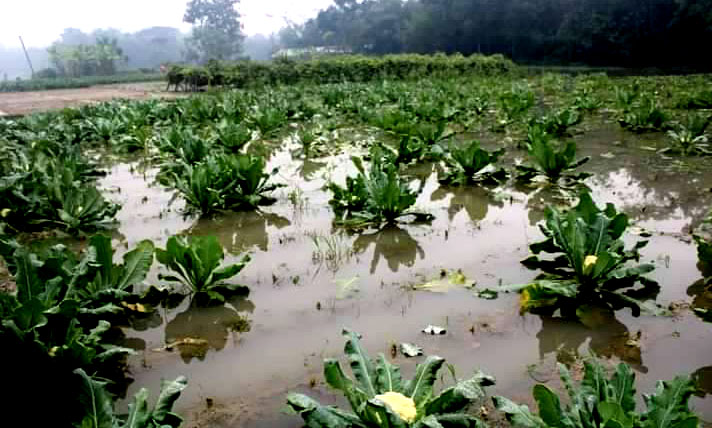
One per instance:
(21,103)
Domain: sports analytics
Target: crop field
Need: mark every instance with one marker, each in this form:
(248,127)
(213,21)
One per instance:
(531,231)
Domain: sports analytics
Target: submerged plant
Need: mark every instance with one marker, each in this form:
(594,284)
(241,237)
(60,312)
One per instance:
(379,397)
(599,401)
(470,163)
(589,264)
(376,196)
(689,138)
(644,116)
(558,123)
(549,159)
(226,182)
(196,260)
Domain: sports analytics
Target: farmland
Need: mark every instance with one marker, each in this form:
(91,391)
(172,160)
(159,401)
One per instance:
(230,236)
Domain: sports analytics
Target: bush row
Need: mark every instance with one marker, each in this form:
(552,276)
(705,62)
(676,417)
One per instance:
(332,69)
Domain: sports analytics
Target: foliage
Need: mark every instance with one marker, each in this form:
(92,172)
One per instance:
(557,123)
(225,182)
(49,185)
(374,197)
(689,138)
(590,262)
(550,159)
(471,163)
(196,260)
(99,406)
(643,116)
(351,68)
(217,34)
(379,397)
(600,401)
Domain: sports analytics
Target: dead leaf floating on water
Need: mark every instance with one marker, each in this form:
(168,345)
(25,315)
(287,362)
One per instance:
(187,341)
(433,329)
(411,350)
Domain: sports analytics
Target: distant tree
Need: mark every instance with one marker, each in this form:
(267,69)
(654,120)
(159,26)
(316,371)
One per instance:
(217,33)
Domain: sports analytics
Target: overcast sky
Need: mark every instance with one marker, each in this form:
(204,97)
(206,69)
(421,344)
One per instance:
(40,22)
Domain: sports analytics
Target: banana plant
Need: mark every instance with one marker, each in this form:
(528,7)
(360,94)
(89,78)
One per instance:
(589,264)
(599,401)
(380,397)
(470,164)
(195,262)
(549,160)
(99,407)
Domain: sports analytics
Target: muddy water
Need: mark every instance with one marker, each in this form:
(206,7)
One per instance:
(308,280)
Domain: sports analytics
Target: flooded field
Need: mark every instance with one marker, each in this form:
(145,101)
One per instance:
(385,208)
(308,280)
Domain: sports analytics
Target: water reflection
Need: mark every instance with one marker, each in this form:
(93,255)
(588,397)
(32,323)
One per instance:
(655,195)
(474,200)
(703,380)
(598,329)
(391,243)
(308,169)
(238,232)
(199,329)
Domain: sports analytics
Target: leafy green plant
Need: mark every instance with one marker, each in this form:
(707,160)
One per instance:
(471,163)
(268,119)
(374,197)
(99,406)
(106,281)
(602,401)
(84,208)
(689,137)
(549,159)
(196,261)
(589,264)
(232,136)
(379,397)
(557,123)
(644,116)
(225,182)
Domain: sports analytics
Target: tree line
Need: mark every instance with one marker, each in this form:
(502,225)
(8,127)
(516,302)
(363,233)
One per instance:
(597,32)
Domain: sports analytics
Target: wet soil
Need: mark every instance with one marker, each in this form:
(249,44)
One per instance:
(308,280)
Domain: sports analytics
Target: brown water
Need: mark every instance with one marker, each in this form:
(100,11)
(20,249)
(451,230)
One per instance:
(273,341)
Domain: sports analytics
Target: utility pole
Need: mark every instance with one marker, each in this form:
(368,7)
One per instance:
(28,57)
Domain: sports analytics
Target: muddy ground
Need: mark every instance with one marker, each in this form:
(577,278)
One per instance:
(21,103)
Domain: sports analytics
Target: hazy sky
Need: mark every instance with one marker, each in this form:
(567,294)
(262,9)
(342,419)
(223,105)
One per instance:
(40,22)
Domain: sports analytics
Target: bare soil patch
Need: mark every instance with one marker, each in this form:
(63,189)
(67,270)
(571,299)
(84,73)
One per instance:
(21,103)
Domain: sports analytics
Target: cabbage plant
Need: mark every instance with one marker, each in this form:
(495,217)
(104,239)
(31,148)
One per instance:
(377,196)
(195,263)
(470,163)
(600,401)
(590,262)
(380,397)
(550,160)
